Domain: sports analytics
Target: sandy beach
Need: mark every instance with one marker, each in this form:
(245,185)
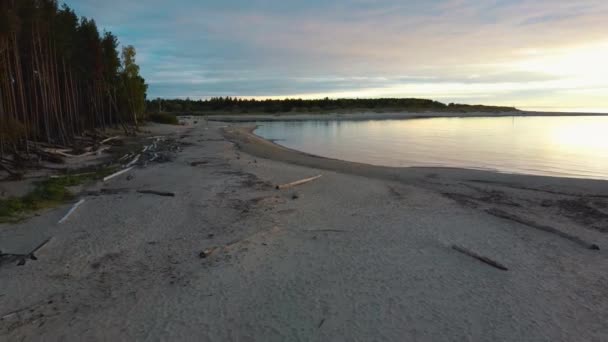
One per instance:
(362,253)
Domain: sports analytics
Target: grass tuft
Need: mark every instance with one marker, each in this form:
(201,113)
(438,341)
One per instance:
(46,194)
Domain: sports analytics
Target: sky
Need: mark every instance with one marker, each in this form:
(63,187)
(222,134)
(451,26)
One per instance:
(533,54)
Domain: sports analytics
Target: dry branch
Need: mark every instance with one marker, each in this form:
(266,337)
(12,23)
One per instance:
(74,207)
(117,174)
(480,258)
(42,244)
(135,160)
(159,193)
(108,139)
(296,183)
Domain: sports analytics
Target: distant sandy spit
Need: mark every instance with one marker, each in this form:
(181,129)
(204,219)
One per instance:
(381,116)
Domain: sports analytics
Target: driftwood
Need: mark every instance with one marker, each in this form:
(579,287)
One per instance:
(480,258)
(74,207)
(106,191)
(135,160)
(529,223)
(49,156)
(197,163)
(108,139)
(159,193)
(63,152)
(296,183)
(31,255)
(117,174)
(126,156)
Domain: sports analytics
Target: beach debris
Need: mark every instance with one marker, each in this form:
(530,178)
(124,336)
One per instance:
(207,252)
(159,193)
(325,230)
(108,140)
(31,255)
(480,258)
(132,162)
(296,183)
(124,157)
(63,153)
(197,163)
(160,150)
(507,216)
(117,174)
(21,258)
(105,191)
(74,207)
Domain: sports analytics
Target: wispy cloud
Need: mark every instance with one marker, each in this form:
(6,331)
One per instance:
(493,51)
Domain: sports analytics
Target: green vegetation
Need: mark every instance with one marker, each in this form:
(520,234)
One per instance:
(163,118)
(61,77)
(46,194)
(235,105)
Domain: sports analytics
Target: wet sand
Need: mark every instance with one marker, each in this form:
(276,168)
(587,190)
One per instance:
(362,253)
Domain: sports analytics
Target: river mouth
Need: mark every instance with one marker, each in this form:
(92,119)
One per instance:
(563,146)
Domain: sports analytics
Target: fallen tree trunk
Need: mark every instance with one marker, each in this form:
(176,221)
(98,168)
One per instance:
(63,153)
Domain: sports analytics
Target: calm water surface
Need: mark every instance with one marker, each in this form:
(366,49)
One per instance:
(554,146)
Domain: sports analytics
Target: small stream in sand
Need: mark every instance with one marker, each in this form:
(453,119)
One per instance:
(552,146)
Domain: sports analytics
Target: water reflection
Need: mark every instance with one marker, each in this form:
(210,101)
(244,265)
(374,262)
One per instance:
(556,146)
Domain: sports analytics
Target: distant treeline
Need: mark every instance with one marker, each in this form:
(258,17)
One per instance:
(60,77)
(239,105)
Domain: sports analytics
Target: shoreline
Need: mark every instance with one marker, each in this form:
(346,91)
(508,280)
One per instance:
(236,118)
(249,142)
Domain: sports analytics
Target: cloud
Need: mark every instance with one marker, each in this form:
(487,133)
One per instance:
(272,47)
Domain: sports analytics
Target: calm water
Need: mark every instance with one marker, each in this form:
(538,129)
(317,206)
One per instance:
(554,146)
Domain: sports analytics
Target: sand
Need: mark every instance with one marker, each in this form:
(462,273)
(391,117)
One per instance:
(362,253)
